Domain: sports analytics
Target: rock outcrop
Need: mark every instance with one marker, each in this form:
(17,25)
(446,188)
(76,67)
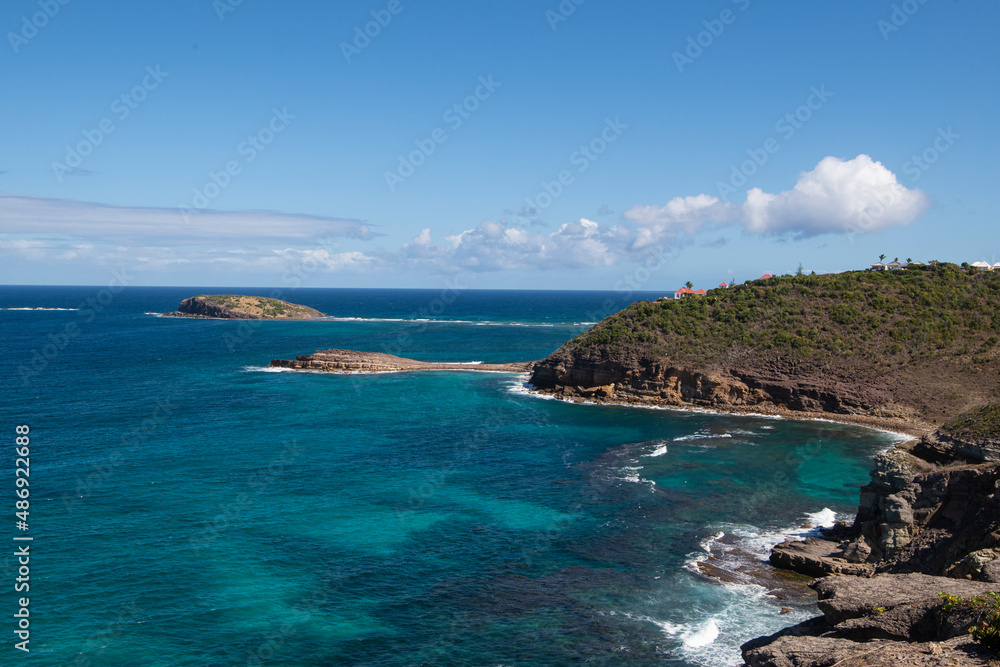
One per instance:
(928,524)
(887,620)
(241,307)
(927,509)
(352,361)
(617,378)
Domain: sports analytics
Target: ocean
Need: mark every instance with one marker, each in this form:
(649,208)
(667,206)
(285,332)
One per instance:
(189,506)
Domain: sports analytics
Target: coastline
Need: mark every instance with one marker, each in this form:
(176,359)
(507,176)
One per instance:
(907,429)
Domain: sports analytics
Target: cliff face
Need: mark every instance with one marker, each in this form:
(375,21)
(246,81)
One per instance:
(240,307)
(658,381)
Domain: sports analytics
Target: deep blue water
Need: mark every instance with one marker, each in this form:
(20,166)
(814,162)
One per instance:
(190,508)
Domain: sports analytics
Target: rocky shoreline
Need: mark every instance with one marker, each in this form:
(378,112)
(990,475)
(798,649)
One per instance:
(928,522)
(928,525)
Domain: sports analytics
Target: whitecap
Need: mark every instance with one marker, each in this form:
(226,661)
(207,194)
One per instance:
(659,451)
(703,636)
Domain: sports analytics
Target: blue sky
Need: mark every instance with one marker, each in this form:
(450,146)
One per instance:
(262,143)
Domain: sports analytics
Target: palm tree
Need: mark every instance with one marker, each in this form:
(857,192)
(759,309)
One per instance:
(909,260)
(881,257)
(689,285)
(896,260)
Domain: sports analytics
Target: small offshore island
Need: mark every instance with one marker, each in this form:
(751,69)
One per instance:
(241,307)
(915,351)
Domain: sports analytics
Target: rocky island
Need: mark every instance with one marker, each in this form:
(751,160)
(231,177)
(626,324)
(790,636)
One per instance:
(352,361)
(241,307)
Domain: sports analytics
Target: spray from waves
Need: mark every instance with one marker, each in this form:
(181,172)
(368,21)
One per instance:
(39,308)
(522,387)
(703,436)
(659,451)
(711,631)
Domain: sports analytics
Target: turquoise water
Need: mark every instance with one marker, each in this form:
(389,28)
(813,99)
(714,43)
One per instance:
(190,507)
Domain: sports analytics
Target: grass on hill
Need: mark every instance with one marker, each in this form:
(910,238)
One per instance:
(256,305)
(982,423)
(852,318)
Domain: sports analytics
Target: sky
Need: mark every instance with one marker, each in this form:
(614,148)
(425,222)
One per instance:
(536,144)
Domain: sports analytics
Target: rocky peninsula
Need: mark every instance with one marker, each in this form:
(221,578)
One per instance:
(914,351)
(353,361)
(241,307)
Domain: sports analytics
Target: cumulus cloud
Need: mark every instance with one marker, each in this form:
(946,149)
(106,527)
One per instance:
(35,215)
(836,196)
(496,246)
(685,215)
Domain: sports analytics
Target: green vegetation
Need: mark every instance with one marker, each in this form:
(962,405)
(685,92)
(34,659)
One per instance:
(259,306)
(986,629)
(882,318)
(982,423)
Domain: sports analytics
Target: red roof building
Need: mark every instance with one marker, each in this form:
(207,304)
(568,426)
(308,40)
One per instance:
(723,285)
(765,276)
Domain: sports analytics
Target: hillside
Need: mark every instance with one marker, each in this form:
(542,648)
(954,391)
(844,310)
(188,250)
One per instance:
(920,344)
(241,307)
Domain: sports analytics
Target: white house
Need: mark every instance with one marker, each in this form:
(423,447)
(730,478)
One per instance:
(985,266)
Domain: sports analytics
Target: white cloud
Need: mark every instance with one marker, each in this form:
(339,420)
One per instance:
(685,215)
(35,215)
(495,246)
(836,196)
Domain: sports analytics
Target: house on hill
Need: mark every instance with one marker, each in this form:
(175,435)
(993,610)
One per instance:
(723,285)
(878,266)
(765,276)
(895,266)
(985,266)
(687,291)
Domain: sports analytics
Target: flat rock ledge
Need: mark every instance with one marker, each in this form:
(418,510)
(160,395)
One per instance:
(886,620)
(353,361)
